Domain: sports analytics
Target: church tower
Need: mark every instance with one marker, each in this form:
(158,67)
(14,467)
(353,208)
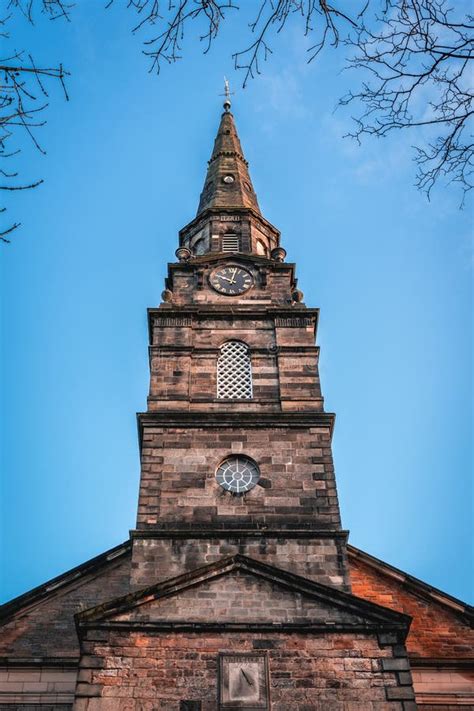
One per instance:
(240,593)
(235,444)
(237,589)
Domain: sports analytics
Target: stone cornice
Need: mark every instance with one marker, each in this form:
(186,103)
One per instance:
(222,311)
(247,310)
(167,418)
(239,627)
(442,662)
(209,212)
(204,350)
(193,531)
(365,615)
(41,662)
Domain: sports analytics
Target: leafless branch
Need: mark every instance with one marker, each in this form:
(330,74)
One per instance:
(23,92)
(9,230)
(172,18)
(416,56)
(52,9)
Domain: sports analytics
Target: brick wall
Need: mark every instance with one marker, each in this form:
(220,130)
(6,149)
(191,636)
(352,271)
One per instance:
(436,631)
(45,628)
(132,671)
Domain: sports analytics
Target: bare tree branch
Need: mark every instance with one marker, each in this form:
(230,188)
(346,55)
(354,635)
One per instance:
(3,235)
(414,57)
(417,57)
(173,17)
(52,9)
(23,93)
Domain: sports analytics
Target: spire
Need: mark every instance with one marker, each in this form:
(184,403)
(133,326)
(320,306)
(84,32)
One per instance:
(228,181)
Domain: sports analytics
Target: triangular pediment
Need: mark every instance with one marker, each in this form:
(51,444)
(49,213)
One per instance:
(239,591)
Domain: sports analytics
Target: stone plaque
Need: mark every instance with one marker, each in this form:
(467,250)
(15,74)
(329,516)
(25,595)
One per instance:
(243,682)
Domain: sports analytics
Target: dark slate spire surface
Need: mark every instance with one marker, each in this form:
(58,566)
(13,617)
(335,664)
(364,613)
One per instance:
(228,183)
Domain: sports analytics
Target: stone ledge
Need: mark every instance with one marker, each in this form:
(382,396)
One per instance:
(221,531)
(201,420)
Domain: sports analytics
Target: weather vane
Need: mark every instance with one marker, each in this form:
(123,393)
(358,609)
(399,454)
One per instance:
(227,93)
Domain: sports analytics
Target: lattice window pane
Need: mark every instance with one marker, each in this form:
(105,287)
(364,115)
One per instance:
(230,243)
(234,371)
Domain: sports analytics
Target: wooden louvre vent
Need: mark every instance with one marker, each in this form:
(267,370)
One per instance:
(231,243)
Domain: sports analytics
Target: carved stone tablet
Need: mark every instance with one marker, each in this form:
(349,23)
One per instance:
(243,682)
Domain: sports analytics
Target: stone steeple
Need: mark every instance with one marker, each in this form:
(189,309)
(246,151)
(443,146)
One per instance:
(228,182)
(228,218)
(234,590)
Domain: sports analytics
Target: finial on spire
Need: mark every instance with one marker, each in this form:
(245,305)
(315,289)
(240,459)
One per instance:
(227,93)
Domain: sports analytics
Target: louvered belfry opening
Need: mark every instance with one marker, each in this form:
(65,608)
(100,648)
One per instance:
(231,242)
(234,371)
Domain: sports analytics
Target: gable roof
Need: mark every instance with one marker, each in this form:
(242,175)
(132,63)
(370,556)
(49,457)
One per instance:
(42,592)
(412,584)
(39,625)
(356,613)
(93,565)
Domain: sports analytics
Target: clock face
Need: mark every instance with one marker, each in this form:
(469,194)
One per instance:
(231,280)
(238,474)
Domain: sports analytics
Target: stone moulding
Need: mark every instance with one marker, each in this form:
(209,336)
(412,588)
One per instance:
(238,627)
(236,419)
(368,617)
(171,317)
(195,531)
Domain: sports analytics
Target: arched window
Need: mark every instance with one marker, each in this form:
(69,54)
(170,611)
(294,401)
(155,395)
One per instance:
(234,371)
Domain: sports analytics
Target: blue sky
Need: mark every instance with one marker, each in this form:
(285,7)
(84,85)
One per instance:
(391,273)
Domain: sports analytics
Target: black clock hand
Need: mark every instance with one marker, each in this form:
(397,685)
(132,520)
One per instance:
(249,682)
(232,279)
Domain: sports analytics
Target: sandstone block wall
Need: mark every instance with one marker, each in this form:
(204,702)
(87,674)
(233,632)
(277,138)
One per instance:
(185,347)
(37,687)
(189,283)
(132,671)
(319,559)
(297,477)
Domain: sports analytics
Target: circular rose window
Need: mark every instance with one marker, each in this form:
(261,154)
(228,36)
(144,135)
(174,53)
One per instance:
(238,474)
